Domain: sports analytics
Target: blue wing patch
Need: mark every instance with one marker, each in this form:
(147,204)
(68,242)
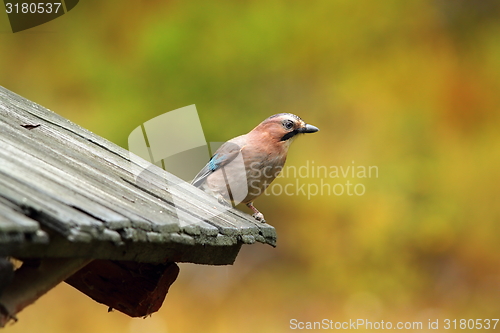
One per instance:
(225,154)
(216,161)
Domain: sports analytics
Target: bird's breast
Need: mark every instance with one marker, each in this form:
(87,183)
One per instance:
(261,171)
(247,177)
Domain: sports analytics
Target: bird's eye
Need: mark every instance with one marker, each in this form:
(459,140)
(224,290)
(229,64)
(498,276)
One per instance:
(288,124)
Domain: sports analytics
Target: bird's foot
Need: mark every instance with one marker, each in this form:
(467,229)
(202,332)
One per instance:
(256,214)
(259,217)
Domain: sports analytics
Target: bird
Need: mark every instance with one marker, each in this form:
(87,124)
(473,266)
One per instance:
(243,167)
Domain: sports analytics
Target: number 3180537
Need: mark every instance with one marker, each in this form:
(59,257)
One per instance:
(470,324)
(32,8)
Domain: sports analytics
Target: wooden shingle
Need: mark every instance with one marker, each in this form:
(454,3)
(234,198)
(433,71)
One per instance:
(67,193)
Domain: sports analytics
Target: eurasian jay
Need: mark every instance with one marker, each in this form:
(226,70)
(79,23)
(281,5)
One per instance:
(243,167)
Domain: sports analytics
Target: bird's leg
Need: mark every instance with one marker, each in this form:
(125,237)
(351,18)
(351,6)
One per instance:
(257,215)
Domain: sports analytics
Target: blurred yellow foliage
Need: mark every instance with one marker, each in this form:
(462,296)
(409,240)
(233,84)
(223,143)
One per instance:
(411,87)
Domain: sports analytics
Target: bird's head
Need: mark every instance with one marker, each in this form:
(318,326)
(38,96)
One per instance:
(284,127)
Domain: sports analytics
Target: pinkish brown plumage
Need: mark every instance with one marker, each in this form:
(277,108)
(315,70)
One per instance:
(243,167)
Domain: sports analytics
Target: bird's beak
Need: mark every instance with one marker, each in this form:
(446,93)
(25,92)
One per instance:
(309,129)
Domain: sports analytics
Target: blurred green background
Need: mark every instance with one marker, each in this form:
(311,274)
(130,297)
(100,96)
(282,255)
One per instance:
(412,87)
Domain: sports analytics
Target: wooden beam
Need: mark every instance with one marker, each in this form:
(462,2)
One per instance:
(31,281)
(136,289)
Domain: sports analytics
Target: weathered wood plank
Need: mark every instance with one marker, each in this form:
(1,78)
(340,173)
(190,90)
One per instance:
(12,221)
(78,176)
(229,225)
(80,150)
(85,187)
(68,196)
(76,225)
(54,184)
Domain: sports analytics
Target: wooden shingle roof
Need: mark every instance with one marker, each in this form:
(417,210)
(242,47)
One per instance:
(68,193)
(65,192)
